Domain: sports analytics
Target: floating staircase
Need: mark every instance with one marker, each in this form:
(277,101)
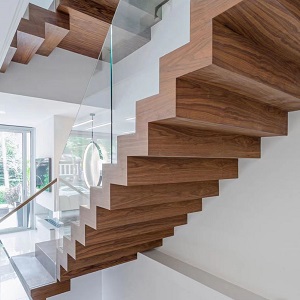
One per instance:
(233,84)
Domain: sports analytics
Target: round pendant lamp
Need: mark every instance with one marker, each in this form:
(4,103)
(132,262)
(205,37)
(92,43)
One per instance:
(92,162)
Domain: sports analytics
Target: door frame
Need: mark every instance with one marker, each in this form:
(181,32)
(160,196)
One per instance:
(24,131)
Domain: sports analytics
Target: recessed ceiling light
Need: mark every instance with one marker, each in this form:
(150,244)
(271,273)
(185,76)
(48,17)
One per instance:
(98,126)
(2,112)
(83,123)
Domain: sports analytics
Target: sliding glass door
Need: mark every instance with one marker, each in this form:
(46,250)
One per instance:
(16,176)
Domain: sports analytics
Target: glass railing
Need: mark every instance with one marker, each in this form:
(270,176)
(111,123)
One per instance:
(33,254)
(106,110)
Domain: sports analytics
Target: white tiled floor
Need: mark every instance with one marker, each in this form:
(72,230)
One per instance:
(11,222)
(10,286)
(15,244)
(20,242)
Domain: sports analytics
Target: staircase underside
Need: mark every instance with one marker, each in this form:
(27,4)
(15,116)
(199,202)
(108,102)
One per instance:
(81,26)
(234,83)
(76,26)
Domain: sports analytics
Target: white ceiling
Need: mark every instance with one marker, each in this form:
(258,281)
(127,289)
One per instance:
(29,111)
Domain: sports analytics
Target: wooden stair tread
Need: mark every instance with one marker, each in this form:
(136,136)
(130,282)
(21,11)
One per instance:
(56,26)
(100,10)
(36,29)
(140,170)
(86,35)
(78,264)
(267,23)
(39,16)
(116,218)
(27,46)
(83,252)
(214,107)
(89,24)
(292,6)
(41,293)
(244,85)
(130,196)
(40,34)
(68,275)
(171,140)
(98,236)
(238,54)
(93,237)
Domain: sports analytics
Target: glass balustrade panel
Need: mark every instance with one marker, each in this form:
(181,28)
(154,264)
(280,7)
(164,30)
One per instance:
(32,254)
(88,146)
(131,33)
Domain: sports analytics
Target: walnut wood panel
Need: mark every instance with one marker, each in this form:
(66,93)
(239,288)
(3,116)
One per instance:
(267,23)
(132,144)
(44,292)
(68,275)
(39,16)
(249,87)
(10,54)
(34,28)
(139,170)
(78,264)
(121,217)
(240,55)
(217,108)
(293,6)
(86,35)
(93,236)
(158,170)
(83,252)
(53,36)
(173,140)
(27,46)
(100,10)
(131,196)
(125,197)
(55,26)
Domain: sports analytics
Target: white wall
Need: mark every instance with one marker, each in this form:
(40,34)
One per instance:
(250,235)
(145,279)
(51,137)
(87,287)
